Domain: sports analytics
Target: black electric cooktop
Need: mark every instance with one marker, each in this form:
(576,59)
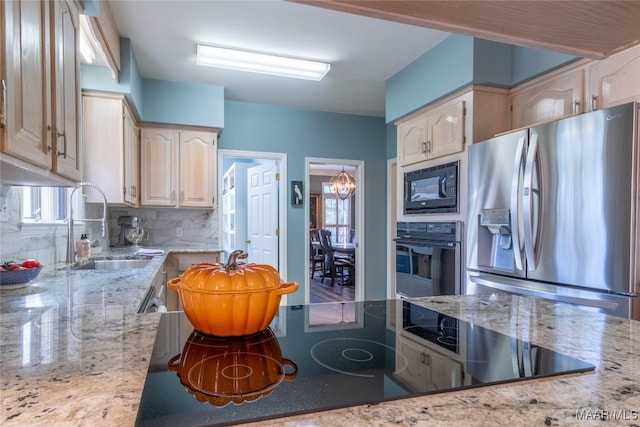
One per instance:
(327,356)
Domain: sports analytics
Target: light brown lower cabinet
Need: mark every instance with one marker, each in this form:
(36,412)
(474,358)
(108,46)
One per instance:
(176,264)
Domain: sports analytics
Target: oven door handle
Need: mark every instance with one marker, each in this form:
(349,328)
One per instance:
(426,243)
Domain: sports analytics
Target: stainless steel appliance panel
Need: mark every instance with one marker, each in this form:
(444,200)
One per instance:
(492,166)
(552,212)
(583,198)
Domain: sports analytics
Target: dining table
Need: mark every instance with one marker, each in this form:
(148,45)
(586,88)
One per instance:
(346,248)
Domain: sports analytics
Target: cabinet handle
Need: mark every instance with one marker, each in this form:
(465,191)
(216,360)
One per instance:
(424,147)
(53,135)
(248,242)
(576,106)
(428,146)
(3,113)
(593,102)
(181,195)
(424,358)
(173,195)
(64,144)
(133,191)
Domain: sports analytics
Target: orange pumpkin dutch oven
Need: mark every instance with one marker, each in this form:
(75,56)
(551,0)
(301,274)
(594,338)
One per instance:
(231,299)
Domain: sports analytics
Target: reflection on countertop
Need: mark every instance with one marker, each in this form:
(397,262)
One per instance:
(74,352)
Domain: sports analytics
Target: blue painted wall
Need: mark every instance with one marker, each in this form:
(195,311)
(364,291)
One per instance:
(90,7)
(183,103)
(306,133)
(528,63)
(158,100)
(443,69)
(392,141)
(491,63)
(459,61)
(129,80)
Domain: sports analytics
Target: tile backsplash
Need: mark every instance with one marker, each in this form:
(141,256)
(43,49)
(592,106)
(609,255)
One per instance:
(48,243)
(198,227)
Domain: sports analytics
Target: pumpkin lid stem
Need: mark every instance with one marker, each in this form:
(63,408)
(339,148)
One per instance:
(232,262)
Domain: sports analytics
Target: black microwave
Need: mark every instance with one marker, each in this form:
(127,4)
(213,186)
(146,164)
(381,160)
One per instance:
(431,190)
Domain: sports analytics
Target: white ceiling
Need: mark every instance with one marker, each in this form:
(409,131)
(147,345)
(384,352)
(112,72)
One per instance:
(363,51)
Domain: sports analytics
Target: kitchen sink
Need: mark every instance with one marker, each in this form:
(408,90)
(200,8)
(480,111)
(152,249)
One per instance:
(111,263)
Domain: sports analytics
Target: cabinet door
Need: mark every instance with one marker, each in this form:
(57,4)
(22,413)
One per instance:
(444,372)
(66,89)
(27,134)
(197,169)
(555,98)
(615,80)
(176,264)
(131,159)
(102,134)
(158,160)
(415,374)
(412,140)
(445,130)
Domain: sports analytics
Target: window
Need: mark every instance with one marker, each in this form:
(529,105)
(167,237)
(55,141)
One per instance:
(45,204)
(337,215)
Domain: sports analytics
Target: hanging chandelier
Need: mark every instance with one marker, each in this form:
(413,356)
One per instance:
(344,185)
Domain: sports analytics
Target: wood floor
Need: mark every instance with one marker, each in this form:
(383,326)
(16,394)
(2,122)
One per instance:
(320,292)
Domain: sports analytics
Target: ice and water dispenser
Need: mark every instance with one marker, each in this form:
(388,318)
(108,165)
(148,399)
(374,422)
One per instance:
(495,242)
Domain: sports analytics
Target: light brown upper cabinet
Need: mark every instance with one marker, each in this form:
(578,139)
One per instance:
(433,133)
(578,88)
(559,95)
(178,167)
(112,153)
(615,80)
(40,113)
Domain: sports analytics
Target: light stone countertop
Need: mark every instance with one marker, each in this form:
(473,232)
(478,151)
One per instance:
(73,351)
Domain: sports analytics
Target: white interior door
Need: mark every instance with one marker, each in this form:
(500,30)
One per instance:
(262,214)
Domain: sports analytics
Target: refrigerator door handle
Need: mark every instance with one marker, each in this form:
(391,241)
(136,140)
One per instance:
(515,212)
(528,194)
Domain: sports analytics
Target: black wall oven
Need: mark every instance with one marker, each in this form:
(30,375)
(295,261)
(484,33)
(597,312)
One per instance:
(428,258)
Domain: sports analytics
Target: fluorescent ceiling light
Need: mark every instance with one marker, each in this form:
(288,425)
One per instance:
(261,63)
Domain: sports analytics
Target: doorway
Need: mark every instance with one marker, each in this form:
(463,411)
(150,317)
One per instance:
(344,220)
(251,211)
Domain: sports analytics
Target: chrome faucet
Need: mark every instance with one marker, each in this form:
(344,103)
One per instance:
(103,220)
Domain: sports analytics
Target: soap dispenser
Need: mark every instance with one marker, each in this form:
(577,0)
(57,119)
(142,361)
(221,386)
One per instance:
(82,248)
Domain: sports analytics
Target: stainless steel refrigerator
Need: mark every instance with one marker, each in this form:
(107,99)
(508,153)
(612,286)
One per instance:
(553,212)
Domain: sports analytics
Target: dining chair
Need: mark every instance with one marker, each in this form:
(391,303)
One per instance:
(316,255)
(335,267)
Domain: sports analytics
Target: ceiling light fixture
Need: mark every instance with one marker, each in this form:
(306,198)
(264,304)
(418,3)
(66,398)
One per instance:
(261,63)
(344,185)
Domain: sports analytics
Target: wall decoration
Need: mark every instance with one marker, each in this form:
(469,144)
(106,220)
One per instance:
(315,211)
(297,193)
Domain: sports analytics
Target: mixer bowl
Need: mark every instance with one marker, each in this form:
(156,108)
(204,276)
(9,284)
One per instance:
(135,235)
